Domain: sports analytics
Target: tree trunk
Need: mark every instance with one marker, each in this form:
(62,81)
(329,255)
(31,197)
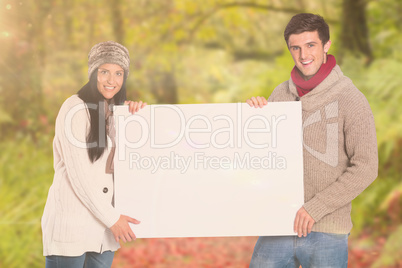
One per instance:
(354,34)
(117,20)
(163,86)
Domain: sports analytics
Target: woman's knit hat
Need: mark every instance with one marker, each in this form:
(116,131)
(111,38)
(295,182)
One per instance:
(108,52)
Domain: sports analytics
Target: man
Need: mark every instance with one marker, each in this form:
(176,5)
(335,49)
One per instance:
(339,152)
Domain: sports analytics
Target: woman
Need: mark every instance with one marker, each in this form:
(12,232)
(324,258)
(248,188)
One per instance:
(81,227)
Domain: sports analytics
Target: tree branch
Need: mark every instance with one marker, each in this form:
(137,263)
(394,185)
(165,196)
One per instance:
(243,4)
(247,5)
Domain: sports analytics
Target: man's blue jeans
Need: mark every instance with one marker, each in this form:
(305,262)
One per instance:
(87,260)
(323,250)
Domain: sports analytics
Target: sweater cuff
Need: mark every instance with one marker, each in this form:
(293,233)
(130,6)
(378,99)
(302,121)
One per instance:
(316,209)
(112,218)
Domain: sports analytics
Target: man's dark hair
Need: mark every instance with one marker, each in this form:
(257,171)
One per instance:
(307,22)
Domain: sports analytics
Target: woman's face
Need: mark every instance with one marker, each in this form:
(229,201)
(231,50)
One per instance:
(110,79)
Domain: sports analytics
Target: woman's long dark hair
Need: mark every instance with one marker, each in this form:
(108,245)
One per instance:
(90,94)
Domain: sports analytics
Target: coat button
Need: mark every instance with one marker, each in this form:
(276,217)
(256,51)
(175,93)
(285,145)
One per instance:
(105,190)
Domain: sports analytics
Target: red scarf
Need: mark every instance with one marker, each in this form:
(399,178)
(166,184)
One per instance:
(303,87)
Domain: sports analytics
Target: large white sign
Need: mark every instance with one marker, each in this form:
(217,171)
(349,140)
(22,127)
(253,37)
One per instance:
(206,170)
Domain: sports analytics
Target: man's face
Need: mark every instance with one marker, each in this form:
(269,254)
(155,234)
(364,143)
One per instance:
(308,52)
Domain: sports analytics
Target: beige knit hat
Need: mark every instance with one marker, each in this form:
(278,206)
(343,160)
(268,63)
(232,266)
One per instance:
(108,52)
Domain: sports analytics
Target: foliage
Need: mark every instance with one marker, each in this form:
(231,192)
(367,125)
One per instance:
(385,26)
(187,252)
(24,182)
(392,250)
(381,83)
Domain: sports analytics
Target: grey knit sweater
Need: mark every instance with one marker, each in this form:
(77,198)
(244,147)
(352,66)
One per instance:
(340,148)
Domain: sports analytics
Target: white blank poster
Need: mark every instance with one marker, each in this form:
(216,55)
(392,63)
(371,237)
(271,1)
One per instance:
(209,170)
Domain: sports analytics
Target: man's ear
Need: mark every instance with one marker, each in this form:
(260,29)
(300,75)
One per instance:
(327,46)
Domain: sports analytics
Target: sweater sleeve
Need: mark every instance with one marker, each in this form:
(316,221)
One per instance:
(362,170)
(71,130)
(279,92)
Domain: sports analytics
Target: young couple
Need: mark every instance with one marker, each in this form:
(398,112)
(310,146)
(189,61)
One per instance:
(81,227)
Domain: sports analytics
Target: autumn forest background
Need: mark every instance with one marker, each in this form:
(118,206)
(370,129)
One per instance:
(187,51)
